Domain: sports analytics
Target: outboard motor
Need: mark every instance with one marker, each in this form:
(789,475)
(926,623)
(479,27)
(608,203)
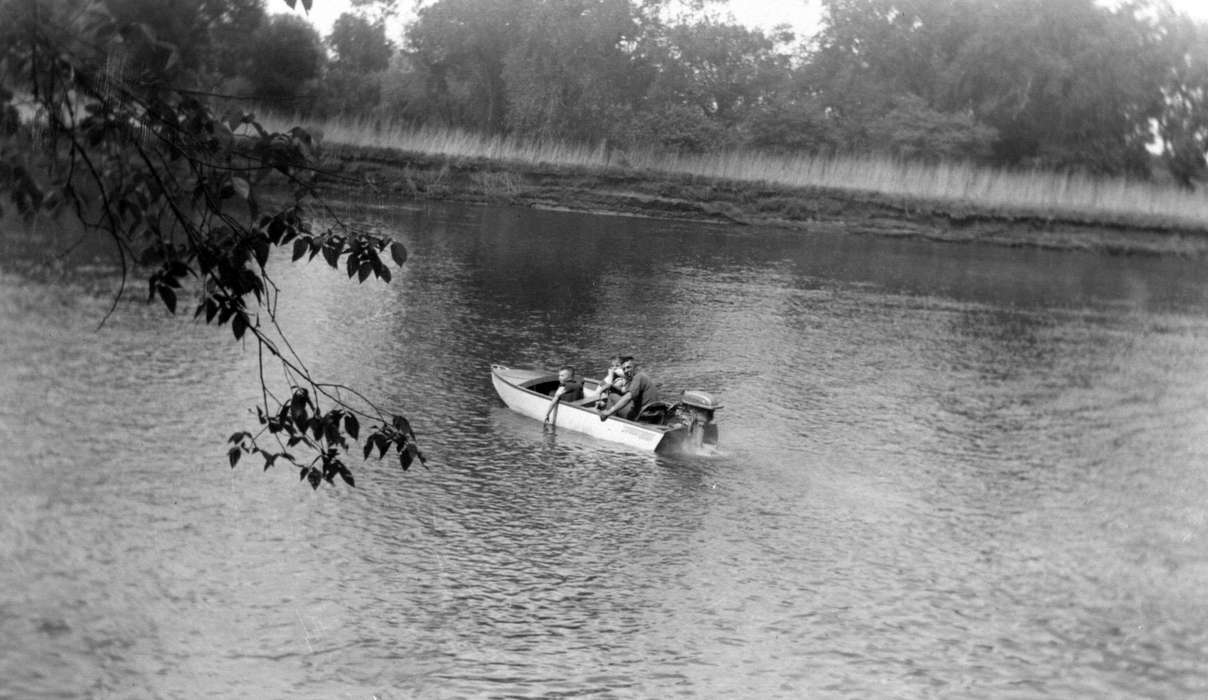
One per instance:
(696,408)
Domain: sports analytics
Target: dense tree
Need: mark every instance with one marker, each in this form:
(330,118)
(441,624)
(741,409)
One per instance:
(1057,83)
(1183,126)
(186,41)
(724,70)
(1064,83)
(287,54)
(360,44)
(572,73)
(232,37)
(175,189)
(406,94)
(1067,84)
(798,125)
(460,48)
(914,130)
(869,53)
(353,80)
(680,128)
(588,69)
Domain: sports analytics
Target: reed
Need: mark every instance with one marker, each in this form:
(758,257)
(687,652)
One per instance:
(958,185)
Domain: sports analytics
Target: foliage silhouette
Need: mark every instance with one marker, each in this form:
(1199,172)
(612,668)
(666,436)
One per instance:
(94,127)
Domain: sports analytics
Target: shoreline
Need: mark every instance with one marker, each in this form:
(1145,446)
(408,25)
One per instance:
(625,192)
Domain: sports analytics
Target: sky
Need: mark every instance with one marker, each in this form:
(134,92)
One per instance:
(803,15)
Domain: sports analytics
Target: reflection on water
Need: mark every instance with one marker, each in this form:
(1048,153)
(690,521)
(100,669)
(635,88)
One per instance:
(947,470)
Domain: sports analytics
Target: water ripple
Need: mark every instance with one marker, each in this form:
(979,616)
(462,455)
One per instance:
(945,471)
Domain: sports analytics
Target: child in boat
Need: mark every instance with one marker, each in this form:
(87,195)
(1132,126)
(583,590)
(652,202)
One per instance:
(639,392)
(569,389)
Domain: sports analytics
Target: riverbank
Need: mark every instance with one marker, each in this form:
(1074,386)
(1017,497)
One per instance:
(393,174)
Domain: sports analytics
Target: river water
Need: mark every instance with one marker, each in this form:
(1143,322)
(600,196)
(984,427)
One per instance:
(947,471)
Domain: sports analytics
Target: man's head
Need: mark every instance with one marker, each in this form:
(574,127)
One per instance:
(628,366)
(566,374)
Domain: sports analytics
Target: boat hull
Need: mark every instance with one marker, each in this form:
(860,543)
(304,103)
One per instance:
(512,387)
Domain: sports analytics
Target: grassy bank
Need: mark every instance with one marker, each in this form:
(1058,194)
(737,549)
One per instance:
(759,186)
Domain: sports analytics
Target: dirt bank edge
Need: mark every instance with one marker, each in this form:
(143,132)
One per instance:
(390,174)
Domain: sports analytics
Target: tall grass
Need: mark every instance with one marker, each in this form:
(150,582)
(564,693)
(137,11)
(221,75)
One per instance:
(956,184)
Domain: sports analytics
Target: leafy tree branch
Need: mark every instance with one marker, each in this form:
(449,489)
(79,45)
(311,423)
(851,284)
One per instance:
(92,125)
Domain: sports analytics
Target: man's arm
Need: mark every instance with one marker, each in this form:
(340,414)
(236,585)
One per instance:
(622,402)
(553,404)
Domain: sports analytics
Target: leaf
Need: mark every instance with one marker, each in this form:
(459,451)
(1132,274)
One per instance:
(237,438)
(300,247)
(242,189)
(413,450)
(403,425)
(297,411)
(239,324)
(260,250)
(179,268)
(169,298)
(315,478)
(233,455)
(351,425)
(347,476)
(364,270)
(332,255)
(398,252)
(284,417)
(368,448)
(276,228)
(405,457)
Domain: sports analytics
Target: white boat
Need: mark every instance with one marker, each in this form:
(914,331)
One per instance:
(663,426)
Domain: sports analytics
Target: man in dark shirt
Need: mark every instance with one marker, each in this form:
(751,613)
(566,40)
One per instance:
(639,391)
(569,389)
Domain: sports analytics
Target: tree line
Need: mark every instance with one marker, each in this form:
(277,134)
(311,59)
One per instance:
(1064,84)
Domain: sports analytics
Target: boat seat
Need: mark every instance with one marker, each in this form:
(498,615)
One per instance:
(655,412)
